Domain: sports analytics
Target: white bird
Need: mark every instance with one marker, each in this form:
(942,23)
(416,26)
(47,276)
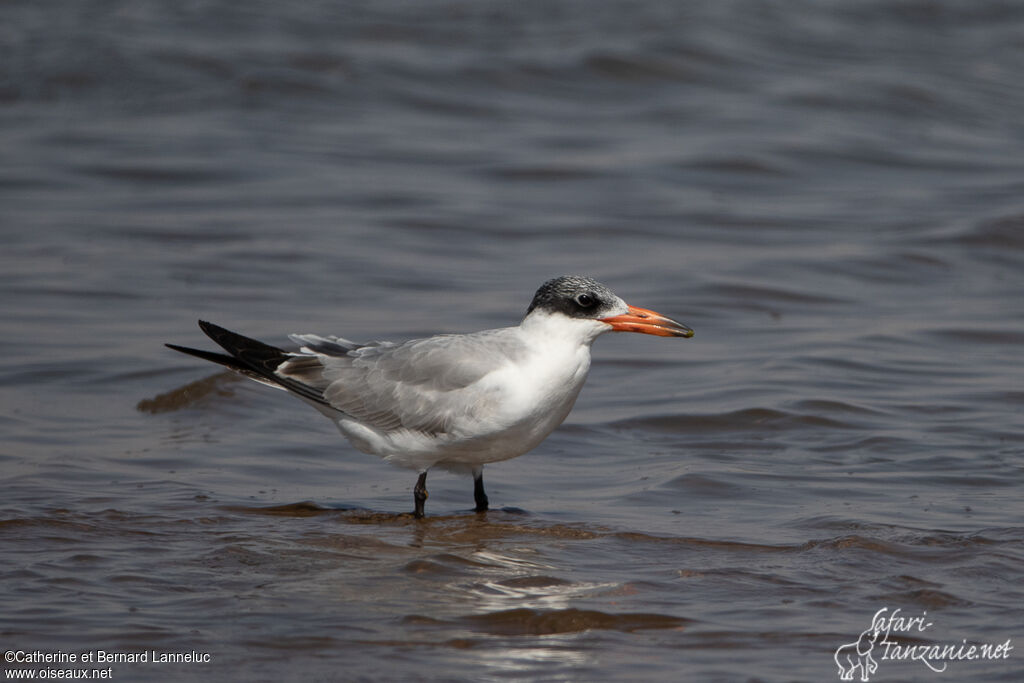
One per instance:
(458,401)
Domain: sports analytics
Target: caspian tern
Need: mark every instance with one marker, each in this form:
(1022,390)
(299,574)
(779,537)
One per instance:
(458,401)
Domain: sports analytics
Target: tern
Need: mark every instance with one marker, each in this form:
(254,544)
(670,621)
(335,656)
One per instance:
(457,401)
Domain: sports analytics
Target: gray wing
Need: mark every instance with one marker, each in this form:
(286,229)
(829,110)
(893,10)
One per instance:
(421,385)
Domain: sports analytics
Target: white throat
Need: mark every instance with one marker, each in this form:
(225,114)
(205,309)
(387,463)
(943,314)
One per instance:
(555,329)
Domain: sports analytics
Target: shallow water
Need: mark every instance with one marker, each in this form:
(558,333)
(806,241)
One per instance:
(829,193)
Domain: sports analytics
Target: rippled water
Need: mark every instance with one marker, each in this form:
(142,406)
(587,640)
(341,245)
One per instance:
(829,193)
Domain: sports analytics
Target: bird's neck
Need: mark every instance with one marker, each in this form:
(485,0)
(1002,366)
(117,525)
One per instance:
(555,329)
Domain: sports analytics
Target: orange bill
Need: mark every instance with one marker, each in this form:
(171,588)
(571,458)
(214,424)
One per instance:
(647,322)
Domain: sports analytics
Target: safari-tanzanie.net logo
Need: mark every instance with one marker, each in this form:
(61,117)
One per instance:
(892,637)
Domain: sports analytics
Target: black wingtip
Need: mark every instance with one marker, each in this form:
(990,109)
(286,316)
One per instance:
(251,358)
(209,355)
(209,329)
(183,349)
(262,357)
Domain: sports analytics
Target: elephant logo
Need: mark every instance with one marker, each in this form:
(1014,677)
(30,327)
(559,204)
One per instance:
(885,641)
(857,655)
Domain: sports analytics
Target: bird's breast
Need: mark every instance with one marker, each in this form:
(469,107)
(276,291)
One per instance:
(537,393)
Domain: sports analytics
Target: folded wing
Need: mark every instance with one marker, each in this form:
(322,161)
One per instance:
(424,385)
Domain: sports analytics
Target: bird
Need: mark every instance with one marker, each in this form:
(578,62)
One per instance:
(455,401)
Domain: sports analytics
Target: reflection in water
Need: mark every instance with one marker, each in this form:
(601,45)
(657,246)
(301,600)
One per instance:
(191,395)
(552,653)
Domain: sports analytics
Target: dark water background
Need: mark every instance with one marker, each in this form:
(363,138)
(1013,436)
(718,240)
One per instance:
(831,193)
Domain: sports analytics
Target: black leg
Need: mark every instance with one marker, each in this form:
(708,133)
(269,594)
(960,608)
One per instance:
(478,490)
(419,495)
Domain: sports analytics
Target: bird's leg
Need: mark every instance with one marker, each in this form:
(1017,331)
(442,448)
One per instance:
(478,489)
(419,495)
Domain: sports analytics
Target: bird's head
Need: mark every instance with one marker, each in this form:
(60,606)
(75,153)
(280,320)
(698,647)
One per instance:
(583,298)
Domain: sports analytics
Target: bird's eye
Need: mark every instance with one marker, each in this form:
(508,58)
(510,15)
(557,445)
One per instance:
(585,300)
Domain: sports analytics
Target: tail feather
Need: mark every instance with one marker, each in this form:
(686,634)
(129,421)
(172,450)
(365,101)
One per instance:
(252,358)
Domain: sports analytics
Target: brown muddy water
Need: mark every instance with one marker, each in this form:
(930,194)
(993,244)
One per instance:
(830,193)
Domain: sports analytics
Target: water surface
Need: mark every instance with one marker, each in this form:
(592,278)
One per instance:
(829,193)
